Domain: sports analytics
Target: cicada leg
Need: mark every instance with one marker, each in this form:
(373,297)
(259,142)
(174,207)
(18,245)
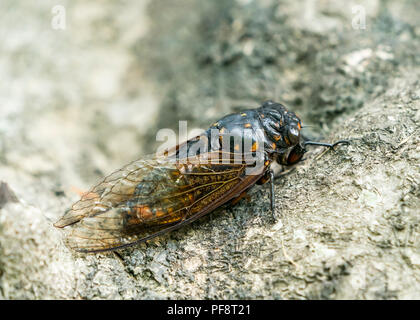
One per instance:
(269,177)
(273,203)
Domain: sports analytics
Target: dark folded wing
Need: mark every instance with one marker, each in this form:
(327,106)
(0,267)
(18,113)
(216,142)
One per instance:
(149,197)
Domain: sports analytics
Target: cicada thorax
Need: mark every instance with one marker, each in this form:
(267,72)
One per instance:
(252,137)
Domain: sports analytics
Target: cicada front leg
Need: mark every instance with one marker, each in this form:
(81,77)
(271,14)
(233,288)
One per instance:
(269,177)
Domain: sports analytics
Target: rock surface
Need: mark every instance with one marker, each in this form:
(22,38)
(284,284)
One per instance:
(78,103)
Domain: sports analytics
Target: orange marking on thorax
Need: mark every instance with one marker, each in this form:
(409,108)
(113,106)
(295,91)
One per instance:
(254,146)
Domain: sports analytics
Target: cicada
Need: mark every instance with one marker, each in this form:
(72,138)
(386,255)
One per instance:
(163,192)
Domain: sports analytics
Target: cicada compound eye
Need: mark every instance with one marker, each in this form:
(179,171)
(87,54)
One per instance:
(293,134)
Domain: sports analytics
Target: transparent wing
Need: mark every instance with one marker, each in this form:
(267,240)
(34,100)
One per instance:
(149,197)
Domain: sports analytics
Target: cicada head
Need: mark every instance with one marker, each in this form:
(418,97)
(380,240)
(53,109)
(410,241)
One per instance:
(282,128)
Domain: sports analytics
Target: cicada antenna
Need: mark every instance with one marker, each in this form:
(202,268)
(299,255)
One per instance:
(323,144)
